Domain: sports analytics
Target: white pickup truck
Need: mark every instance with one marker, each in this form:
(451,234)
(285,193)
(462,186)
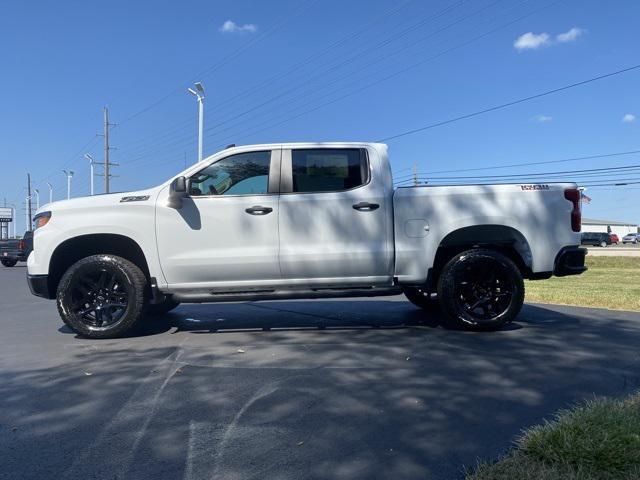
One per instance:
(303,220)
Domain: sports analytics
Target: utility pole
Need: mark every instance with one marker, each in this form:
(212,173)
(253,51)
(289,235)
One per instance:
(415,174)
(107,163)
(106,150)
(29,200)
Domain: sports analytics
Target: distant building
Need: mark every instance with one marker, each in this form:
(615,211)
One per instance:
(609,226)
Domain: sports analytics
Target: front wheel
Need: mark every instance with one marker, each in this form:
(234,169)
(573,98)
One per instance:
(480,290)
(102,296)
(9,262)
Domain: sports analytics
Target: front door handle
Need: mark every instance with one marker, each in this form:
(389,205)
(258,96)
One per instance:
(258,210)
(366,206)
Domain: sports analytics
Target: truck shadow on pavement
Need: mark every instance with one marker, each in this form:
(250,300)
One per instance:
(320,395)
(297,316)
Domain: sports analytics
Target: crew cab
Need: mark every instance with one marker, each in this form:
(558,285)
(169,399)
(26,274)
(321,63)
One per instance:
(302,220)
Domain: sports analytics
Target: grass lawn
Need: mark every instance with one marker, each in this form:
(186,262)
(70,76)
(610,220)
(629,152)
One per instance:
(610,282)
(599,439)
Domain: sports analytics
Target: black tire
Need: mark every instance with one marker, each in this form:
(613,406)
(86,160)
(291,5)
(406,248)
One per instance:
(9,262)
(480,290)
(421,297)
(102,296)
(162,308)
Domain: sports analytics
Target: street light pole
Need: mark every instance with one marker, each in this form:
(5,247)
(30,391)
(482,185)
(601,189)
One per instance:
(14,220)
(91,163)
(50,192)
(69,174)
(199,93)
(37,198)
(27,216)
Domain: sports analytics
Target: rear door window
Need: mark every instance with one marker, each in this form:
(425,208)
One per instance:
(328,170)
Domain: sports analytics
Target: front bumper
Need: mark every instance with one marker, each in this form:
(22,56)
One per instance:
(570,261)
(39,285)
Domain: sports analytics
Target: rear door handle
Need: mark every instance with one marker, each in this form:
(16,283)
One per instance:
(258,210)
(366,206)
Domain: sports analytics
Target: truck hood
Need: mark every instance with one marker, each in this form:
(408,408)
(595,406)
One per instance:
(102,200)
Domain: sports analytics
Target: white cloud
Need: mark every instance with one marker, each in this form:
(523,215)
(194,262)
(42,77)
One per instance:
(543,118)
(628,118)
(531,41)
(569,36)
(232,27)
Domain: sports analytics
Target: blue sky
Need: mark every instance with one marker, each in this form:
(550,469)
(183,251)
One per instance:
(312,70)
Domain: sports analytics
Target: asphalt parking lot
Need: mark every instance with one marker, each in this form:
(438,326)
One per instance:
(351,389)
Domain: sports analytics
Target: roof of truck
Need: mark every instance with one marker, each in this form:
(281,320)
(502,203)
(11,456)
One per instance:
(305,144)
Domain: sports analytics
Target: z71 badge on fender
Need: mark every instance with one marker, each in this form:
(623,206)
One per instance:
(137,198)
(534,187)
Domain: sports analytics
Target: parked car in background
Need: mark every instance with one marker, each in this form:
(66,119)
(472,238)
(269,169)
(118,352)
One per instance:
(596,239)
(631,238)
(13,251)
(614,238)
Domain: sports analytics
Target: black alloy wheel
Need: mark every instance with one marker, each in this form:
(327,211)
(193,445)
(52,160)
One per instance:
(99,297)
(484,289)
(481,290)
(102,296)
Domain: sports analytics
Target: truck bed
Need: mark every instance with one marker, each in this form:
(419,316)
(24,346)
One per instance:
(535,218)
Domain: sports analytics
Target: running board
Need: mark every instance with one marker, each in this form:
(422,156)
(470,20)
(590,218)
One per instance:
(284,294)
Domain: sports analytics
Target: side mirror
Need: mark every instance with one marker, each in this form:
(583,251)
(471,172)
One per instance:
(177,191)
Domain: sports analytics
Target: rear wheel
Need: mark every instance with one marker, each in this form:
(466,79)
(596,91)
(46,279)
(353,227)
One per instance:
(102,296)
(9,262)
(480,290)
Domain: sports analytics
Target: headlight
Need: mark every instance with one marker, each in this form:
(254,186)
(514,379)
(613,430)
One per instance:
(41,219)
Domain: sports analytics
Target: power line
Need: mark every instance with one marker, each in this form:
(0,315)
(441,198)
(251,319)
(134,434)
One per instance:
(270,125)
(509,104)
(225,60)
(622,182)
(542,174)
(631,181)
(348,61)
(358,56)
(572,159)
(314,57)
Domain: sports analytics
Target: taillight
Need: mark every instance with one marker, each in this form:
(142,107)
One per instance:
(573,195)
(21,245)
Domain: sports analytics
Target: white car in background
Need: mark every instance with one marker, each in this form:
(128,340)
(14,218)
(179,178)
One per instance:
(631,238)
